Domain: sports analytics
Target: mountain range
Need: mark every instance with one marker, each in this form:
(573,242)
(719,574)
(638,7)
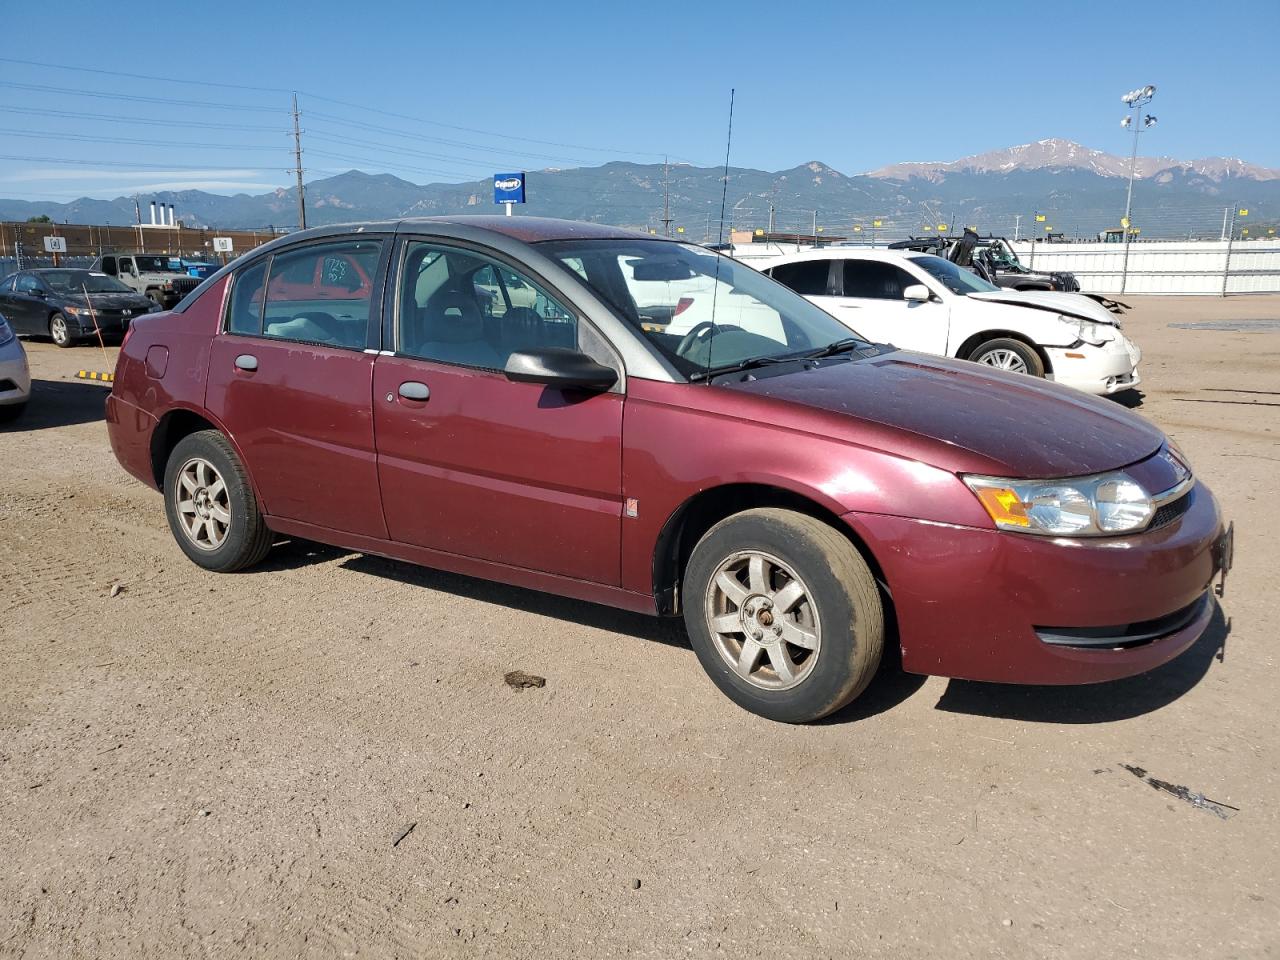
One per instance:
(1078,189)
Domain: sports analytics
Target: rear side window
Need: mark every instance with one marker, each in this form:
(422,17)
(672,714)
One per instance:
(246,300)
(875,280)
(807,278)
(322,294)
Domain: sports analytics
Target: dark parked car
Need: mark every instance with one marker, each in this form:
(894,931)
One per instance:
(796,493)
(70,305)
(993,259)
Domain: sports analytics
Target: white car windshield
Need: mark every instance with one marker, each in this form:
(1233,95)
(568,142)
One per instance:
(956,279)
(702,310)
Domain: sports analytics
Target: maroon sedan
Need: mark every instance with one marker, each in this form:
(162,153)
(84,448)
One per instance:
(645,423)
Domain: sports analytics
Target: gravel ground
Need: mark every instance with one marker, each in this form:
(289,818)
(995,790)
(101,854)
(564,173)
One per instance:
(214,766)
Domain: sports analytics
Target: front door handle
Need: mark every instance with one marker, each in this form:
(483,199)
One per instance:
(246,361)
(412,390)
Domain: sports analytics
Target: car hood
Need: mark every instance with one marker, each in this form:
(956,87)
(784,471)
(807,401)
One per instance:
(1072,304)
(113,301)
(964,417)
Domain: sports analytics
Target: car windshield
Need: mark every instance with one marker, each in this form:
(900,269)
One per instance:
(78,281)
(703,311)
(956,279)
(1003,255)
(156,264)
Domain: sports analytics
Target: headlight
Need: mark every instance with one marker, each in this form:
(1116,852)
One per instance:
(6,332)
(1089,331)
(73,310)
(1109,503)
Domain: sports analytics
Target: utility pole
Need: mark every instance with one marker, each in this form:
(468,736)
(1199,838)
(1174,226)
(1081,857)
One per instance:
(297,166)
(666,199)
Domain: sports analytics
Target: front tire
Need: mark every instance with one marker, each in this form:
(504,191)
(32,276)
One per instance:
(60,330)
(210,504)
(783,613)
(12,411)
(1013,356)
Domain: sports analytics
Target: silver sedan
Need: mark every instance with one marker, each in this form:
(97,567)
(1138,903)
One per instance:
(15,376)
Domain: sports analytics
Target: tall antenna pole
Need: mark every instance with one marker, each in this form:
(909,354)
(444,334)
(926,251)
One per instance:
(666,198)
(297,166)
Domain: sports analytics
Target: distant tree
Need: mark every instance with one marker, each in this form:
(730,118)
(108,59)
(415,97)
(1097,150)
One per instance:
(43,218)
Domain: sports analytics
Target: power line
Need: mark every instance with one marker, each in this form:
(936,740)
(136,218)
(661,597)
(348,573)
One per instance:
(81,138)
(43,88)
(117,118)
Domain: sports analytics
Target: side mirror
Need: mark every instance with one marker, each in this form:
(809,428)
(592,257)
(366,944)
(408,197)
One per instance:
(917,293)
(37,292)
(559,367)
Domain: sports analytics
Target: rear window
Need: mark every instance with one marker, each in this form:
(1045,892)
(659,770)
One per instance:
(807,278)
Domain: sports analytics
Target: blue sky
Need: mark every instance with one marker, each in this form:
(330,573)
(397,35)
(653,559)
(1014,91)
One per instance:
(450,91)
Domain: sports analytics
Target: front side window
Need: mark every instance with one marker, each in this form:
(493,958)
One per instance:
(28,284)
(461,307)
(701,310)
(875,280)
(321,294)
(807,278)
(956,279)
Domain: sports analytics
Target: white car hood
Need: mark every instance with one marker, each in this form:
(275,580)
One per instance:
(1072,304)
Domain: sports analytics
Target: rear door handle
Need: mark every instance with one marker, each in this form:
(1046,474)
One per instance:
(246,361)
(412,390)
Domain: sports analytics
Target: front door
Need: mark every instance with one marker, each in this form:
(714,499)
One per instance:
(872,302)
(473,464)
(291,380)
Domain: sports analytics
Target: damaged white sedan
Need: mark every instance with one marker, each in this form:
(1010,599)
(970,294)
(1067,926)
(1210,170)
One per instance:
(921,302)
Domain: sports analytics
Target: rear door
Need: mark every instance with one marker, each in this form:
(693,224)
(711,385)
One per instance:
(871,301)
(291,377)
(26,309)
(473,464)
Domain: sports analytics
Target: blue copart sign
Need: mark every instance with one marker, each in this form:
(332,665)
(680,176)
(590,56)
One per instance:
(508,188)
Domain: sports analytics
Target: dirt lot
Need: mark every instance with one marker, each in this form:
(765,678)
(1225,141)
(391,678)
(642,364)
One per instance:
(218,766)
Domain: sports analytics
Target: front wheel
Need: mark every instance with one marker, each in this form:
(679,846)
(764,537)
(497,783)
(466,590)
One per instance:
(12,411)
(210,504)
(783,613)
(1005,353)
(60,330)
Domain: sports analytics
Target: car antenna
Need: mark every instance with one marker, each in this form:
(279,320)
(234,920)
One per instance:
(724,191)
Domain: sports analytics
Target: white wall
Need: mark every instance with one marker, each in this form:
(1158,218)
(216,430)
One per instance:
(1162,266)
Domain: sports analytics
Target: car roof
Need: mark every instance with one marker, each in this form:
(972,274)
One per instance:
(526,229)
(846,253)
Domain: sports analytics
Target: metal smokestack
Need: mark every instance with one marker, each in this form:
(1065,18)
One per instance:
(153,213)
(172,222)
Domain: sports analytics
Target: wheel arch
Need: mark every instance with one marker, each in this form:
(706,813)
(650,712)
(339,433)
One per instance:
(180,422)
(698,514)
(972,343)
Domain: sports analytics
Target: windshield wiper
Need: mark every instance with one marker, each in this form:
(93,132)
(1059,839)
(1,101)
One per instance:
(748,364)
(831,349)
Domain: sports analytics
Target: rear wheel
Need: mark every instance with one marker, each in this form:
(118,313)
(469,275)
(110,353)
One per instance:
(783,613)
(1005,353)
(154,297)
(210,504)
(60,330)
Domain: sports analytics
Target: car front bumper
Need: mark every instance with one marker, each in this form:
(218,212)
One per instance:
(986,605)
(1102,370)
(15,375)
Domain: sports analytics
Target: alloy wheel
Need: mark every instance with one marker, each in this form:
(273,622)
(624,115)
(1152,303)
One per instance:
(58,329)
(204,506)
(762,620)
(1003,359)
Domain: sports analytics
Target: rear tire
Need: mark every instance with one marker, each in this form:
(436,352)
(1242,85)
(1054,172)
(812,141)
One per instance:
(1013,356)
(60,330)
(210,504)
(784,614)
(155,297)
(12,411)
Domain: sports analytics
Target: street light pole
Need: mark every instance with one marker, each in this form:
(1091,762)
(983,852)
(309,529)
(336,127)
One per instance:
(1135,100)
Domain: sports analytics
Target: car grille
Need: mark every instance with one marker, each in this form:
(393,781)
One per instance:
(184,285)
(1124,634)
(1170,512)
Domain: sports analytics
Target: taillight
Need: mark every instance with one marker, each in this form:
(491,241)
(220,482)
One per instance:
(128,332)
(683,304)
